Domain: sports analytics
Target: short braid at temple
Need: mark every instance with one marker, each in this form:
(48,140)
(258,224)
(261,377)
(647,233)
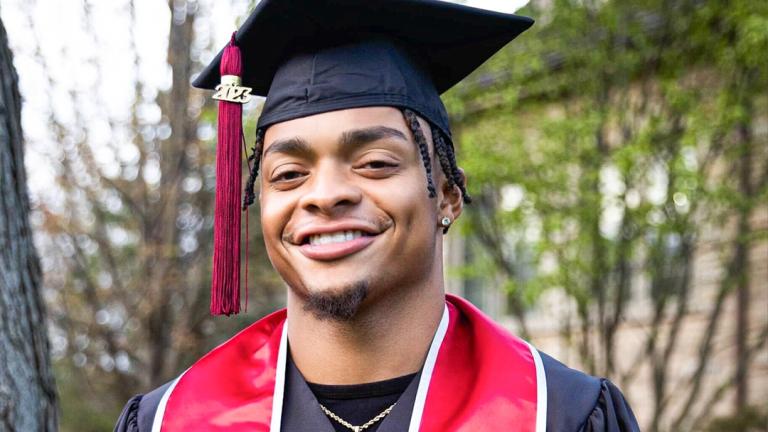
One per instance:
(421,141)
(443,150)
(254,159)
(447,159)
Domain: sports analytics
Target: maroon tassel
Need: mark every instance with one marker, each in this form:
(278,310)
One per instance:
(225,290)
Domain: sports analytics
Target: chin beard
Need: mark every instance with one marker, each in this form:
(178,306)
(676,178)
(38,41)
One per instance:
(338,306)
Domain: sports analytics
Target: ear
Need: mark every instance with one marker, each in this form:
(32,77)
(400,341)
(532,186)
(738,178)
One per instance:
(450,198)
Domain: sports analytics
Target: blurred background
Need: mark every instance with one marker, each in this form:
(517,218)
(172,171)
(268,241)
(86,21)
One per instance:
(617,153)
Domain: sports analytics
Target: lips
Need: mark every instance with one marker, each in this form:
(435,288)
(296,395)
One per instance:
(334,241)
(336,250)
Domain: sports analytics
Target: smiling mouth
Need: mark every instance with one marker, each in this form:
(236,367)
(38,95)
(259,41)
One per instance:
(335,245)
(334,237)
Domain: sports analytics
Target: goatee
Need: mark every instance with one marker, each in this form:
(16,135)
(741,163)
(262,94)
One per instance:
(338,306)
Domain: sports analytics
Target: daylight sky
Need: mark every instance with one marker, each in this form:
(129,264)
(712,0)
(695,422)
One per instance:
(74,60)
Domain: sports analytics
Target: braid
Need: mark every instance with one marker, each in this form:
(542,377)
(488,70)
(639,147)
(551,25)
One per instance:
(413,124)
(447,158)
(458,178)
(442,155)
(255,157)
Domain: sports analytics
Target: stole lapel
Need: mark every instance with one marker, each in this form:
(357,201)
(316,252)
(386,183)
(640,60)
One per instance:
(484,378)
(232,388)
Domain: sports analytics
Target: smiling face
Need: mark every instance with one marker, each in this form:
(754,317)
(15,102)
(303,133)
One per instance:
(344,205)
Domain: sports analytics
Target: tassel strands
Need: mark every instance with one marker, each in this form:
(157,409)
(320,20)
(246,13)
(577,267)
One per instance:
(225,289)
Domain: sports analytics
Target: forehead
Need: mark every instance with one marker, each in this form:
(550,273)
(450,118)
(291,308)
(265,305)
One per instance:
(329,126)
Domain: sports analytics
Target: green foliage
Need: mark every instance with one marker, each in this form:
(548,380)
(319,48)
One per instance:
(633,94)
(599,145)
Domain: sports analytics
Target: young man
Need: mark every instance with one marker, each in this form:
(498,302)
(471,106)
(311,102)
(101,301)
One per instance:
(358,185)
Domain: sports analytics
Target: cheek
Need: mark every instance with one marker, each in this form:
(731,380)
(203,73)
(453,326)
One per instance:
(275,213)
(411,253)
(408,203)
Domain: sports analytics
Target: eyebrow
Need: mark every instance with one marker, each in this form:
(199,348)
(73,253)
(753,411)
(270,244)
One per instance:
(291,146)
(350,140)
(359,137)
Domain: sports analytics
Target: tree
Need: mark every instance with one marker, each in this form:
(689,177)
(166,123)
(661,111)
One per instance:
(603,143)
(126,225)
(27,389)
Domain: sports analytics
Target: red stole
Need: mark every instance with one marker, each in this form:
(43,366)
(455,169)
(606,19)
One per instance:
(482,378)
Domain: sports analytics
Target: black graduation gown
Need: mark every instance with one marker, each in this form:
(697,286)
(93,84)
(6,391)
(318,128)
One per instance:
(576,402)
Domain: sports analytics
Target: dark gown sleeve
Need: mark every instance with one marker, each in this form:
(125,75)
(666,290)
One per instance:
(577,402)
(139,413)
(611,413)
(129,418)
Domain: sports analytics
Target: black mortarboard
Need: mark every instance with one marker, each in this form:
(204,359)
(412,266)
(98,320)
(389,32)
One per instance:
(314,56)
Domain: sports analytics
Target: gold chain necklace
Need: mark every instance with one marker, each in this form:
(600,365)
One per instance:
(365,426)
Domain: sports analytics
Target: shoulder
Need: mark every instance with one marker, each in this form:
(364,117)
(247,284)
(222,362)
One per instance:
(241,359)
(139,412)
(580,402)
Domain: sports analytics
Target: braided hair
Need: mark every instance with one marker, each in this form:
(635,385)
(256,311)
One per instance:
(253,166)
(443,151)
(421,141)
(442,145)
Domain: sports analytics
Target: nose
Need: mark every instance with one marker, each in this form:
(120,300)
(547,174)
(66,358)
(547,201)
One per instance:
(330,190)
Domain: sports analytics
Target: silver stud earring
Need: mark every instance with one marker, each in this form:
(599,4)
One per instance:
(446,222)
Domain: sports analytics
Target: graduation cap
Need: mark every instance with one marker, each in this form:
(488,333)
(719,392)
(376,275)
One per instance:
(313,56)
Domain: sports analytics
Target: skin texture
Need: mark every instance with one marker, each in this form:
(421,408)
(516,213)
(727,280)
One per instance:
(356,169)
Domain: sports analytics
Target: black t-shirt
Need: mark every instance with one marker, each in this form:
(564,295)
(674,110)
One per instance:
(359,403)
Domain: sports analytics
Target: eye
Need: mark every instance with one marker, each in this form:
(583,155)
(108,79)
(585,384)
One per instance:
(378,164)
(286,176)
(378,168)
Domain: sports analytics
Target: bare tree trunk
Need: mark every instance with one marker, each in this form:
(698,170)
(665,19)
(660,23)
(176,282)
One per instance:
(27,389)
(162,229)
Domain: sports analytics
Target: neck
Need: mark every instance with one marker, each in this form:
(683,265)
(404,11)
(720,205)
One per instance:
(388,338)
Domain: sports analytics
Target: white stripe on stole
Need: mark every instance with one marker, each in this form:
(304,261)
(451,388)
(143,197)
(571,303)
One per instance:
(426,372)
(157,421)
(541,390)
(277,397)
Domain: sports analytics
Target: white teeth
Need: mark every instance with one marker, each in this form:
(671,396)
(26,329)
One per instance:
(336,237)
